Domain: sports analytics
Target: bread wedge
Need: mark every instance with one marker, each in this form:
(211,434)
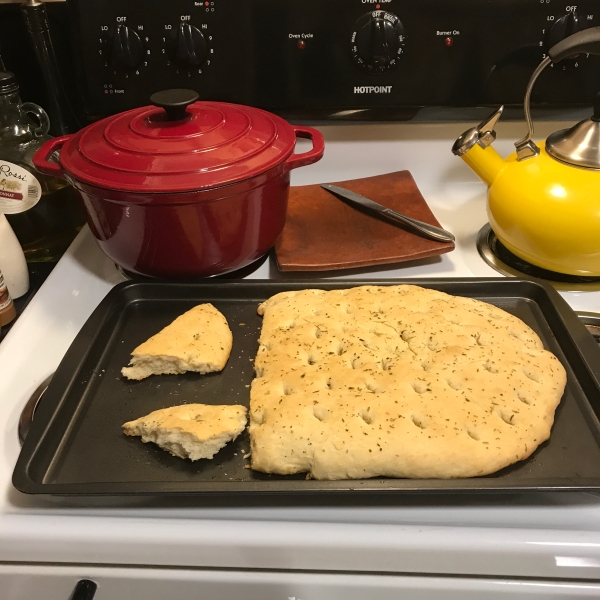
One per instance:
(199,340)
(191,431)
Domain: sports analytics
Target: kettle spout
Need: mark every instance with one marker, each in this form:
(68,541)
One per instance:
(473,146)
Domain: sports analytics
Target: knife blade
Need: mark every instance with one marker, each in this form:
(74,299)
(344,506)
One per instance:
(387,214)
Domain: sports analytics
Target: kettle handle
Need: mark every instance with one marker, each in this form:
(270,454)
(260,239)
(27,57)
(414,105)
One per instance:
(307,158)
(582,42)
(45,151)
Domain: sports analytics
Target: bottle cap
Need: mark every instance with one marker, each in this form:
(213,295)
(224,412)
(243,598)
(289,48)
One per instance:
(8,83)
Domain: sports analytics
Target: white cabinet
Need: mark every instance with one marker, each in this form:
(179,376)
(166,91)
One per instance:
(33,582)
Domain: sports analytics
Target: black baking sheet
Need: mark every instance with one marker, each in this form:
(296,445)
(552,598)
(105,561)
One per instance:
(76,445)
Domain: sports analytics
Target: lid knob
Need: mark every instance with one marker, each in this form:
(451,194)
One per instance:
(175,102)
(580,145)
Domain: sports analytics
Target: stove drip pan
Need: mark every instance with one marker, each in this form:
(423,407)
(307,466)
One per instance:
(497,256)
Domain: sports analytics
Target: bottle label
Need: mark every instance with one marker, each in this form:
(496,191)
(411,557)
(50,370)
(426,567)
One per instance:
(5,299)
(19,189)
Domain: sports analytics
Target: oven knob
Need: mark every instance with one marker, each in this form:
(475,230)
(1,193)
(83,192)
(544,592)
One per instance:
(189,47)
(378,41)
(562,28)
(127,49)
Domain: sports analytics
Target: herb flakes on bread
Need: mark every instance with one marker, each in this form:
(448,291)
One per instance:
(397,381)
(191,431)
(199,340)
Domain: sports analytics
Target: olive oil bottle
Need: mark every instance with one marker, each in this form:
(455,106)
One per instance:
(43,211)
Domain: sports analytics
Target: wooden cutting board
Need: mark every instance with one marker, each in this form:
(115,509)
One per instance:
(323,233)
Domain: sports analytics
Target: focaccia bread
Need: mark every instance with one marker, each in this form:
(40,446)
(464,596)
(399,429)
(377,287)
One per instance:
(199,340)
(191,431)
(397,381)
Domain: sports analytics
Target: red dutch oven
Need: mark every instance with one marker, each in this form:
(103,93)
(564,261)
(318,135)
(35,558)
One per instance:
(183,189)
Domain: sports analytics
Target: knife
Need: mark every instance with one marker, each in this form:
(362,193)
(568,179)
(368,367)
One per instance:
(387,214)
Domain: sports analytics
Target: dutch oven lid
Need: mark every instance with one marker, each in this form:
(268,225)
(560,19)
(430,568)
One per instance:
(178,145)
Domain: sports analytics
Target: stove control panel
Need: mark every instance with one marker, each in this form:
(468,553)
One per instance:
(331,58)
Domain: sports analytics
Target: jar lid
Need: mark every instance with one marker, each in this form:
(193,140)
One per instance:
(178,145)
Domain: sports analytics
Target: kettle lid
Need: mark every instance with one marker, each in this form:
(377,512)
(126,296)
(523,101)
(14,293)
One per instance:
(578,146)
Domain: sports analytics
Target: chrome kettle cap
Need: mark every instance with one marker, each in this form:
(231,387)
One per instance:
(578,146)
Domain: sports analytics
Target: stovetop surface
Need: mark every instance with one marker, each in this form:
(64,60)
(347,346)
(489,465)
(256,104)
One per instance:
(38,273)
(517,535)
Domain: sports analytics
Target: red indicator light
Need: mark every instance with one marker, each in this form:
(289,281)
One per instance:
(378,6)
(207,4)
(301,44)
(448,41)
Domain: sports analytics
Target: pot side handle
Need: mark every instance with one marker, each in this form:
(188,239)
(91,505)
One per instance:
(307,158)
(44,152)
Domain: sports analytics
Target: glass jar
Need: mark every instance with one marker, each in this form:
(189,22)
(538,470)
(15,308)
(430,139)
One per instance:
(45,229)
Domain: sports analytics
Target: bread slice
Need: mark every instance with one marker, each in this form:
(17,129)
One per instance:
(199,340)
(191,431)
(397,381)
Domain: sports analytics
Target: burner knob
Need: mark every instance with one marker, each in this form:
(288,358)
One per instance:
(562,28)
(189,47)
(127,49)
(378,41)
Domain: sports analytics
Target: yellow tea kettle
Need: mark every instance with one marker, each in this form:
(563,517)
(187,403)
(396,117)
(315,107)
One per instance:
(544,200)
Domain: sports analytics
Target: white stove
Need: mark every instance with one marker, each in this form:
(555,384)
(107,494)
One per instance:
(517,546)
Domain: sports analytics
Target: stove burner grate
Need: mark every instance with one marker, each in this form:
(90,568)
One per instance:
(497,256)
